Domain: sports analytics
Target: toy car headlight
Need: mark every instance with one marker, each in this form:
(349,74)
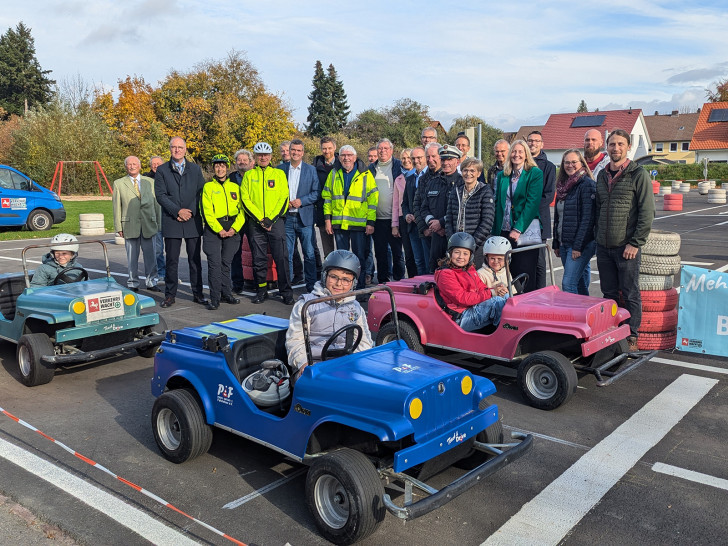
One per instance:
(466,384)
(614,309)
(415,408)
(79,307)
(129,299)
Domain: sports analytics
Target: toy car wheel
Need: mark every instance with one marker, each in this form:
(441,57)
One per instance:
(491,435)
(344,493)
(547,379)
(159,328)
(39,220)
(33,371)
(179,426)
(408,333)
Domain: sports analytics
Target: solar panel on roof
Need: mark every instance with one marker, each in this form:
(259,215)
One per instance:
(588,121)
(718,114)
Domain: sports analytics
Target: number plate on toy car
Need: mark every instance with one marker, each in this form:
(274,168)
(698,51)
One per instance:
(104,305)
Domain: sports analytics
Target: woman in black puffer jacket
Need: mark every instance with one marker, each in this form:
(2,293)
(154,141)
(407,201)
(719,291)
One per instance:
(574,215)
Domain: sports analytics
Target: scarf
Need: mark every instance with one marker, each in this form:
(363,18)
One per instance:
(563,187)
(612,179)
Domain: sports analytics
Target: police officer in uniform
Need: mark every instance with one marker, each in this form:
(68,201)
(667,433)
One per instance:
(264,192)
(224,218)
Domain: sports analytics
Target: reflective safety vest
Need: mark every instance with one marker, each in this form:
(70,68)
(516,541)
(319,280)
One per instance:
(221,200)
(265,194)
(355,210)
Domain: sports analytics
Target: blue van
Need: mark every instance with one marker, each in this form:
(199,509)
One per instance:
(26,203)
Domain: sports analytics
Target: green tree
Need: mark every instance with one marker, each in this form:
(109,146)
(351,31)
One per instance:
(401,123)
(582,107)
(339,103)
(23,84)
(720,94)
(321,118)
(489,136)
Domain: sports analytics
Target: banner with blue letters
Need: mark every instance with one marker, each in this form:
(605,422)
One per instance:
(702,325)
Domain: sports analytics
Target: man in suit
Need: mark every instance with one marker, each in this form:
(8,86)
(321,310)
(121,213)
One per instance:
(303,191)
(137,217)
(178,185)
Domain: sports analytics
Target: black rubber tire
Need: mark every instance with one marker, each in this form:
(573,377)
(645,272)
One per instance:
(408,333)
(39,220)
(158,328)
(547,379)
(491,435)
(179,426)
(33,371)
(345,496)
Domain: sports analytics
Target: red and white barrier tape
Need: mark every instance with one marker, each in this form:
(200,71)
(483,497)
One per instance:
(127,482)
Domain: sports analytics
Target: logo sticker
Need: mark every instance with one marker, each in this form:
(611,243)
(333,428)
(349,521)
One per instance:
(271,183)
(233,195)
(507,326)
(13,203)
(405,368)
(456,437)
(300,409)
(224,394)
(353,316)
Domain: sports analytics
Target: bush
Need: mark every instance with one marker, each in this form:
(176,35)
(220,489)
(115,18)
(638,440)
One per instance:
(694,171)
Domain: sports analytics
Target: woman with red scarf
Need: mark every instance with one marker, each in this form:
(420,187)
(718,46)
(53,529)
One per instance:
(574,214)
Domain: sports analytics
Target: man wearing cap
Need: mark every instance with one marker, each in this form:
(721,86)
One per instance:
(178,185)
(224,218)
(434,200)
(264,193)
(137,218)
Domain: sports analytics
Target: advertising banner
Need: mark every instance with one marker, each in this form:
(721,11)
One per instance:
(702,325)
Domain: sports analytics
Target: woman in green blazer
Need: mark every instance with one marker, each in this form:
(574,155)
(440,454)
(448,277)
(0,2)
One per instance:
(518,195)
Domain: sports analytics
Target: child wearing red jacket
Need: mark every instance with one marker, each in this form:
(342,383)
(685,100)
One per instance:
(462,289)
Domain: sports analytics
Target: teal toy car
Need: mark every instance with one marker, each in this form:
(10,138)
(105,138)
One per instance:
(70,323)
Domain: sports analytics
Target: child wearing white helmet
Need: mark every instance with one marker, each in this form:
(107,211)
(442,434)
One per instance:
(493,272)
(61,259)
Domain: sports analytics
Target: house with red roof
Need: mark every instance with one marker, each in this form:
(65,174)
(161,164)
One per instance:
(566,131)
(671,135)
(710,139)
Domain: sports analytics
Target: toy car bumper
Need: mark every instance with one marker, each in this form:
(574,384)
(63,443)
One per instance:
(605,339)
(436,498)
(80,356)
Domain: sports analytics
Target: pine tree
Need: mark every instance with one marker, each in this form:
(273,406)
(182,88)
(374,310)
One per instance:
(320,116)
(339,103)
(21,77)
(582,107)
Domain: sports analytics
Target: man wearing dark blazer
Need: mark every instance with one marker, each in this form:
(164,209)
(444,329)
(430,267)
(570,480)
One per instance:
(303,188)
(178,186)
(137,218)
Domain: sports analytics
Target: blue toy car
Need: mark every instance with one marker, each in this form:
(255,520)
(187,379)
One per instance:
(358,419)
(26,203)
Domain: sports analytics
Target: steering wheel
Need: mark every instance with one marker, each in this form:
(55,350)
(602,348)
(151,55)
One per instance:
(64,278)
(350,344)
(522,279)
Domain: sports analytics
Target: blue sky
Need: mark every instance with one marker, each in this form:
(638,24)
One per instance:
(510,63)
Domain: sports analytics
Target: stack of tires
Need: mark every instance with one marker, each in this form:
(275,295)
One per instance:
(703,187)
(91,224)
(665,190)
(673,201)
(660,262)
(685,187)
(717,196)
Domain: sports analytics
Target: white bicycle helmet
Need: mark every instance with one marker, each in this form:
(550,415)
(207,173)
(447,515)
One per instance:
(496,245)
(269,386)
(62,242)
(262,148)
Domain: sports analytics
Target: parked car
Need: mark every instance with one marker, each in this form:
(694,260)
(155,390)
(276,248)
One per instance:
(66,324)
(356,419)
(547,335)
(24,202)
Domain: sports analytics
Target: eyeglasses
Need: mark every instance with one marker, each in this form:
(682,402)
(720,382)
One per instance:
(472,171)
(573,163)
(343,280)
(533,140)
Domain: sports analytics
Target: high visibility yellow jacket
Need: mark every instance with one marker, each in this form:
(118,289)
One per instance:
(355,210)
(265,194)
(222,200)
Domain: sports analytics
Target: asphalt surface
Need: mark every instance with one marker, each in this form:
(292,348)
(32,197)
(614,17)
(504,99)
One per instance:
(622,444)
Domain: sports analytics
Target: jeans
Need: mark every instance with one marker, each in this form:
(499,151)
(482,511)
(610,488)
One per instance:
(359,242)
(484,313)
(577,273)
(295,229)
(384,241)
(617,273)
(419,251)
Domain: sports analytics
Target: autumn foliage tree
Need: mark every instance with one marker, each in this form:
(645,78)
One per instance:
(720,94)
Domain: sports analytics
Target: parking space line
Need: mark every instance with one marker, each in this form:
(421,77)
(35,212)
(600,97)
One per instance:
(701,367)
(564,502)
(690,475)
(124,514)
(263,490)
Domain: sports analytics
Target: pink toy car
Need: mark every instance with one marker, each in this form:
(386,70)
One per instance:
(547,334)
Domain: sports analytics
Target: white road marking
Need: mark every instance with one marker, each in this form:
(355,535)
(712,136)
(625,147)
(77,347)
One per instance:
(701,367)
(723,268)
(564,502)
(697,263)
(263,490)
(137,521)
(688,212)
(690,475)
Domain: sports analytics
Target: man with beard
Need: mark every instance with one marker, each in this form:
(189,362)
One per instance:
(594,152)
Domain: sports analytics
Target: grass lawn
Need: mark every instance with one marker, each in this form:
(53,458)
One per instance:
(70,225)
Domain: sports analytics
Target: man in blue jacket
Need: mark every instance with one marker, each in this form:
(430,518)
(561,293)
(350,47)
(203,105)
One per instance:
(303,191)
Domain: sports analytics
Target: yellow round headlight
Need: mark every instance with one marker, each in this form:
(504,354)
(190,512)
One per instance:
(415,408)
(466,384)
(78,307)
(614,309)
(129,299)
